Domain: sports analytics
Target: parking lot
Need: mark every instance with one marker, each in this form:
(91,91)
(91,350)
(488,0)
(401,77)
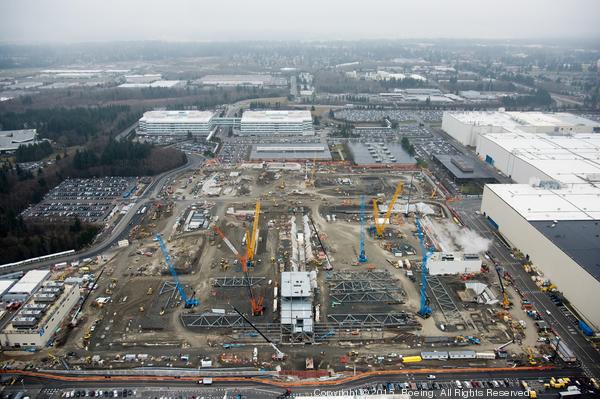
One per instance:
(377,115)
(89,200)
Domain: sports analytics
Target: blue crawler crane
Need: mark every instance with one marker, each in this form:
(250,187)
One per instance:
(424,309)
(188,302)
(362,256)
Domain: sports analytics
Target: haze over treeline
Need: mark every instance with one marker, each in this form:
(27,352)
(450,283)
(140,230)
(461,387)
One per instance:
(39,21)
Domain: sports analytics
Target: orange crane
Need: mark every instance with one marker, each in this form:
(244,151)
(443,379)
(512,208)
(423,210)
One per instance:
(252,239)
(256,301)
(381,227)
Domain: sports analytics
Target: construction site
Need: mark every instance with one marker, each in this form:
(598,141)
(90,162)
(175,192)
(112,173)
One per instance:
(308,268)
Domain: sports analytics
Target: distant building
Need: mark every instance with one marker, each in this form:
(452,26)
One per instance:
(280,123)
(290,152)
(176,123)
(243,80)
(10,140)
(147,78)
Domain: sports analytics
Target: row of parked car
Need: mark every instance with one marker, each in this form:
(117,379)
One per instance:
(99,393)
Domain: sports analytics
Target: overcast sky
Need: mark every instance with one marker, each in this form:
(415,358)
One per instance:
(27,21)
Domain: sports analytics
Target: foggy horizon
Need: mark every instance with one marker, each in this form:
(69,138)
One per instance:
(69,21)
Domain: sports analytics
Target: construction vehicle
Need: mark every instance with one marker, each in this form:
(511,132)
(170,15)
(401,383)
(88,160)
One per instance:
(188,302)
(278,355)
(424,309)
(362,256)
(531,357)
(505,300)
(381,227)
(150,291)
(282,183)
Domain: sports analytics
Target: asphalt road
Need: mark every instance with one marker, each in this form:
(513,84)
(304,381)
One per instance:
(587,355)
(121,230)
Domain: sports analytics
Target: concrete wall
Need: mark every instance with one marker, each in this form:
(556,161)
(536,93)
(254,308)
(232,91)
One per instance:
(578,286)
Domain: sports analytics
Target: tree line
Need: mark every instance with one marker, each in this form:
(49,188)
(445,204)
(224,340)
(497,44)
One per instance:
(33,152)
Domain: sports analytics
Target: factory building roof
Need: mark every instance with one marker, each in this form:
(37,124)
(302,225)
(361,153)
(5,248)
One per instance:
(320,152)
(517,121)
(177,117)
(568,159)
(276,116)
(5,285)
(580,239)
(29,282)
(578,202)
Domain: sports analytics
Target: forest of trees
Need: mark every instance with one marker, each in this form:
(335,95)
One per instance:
(33,152)
(70,126)
(541,97)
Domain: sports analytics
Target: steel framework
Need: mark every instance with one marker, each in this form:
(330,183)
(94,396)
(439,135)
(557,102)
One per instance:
(168,287)
(236,281)
(398,319)
(444,300)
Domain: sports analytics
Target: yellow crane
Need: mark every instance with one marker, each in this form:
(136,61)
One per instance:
(253,238)
(381,227)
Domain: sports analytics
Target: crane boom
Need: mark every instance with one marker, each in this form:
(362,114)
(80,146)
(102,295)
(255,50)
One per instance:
(254,237)
(278,353)
(424,309)
(362,256)
(189,302)
(241,258)
(380,227)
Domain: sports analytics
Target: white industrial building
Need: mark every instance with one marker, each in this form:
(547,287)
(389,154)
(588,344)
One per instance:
(26,285)
(453,263)
(10,140)
(558,230)
(266,123)
(552,214)
(525,157)
(243,80)
(147,78)
(468,127)
(176,123)
(296,302)
(39,318)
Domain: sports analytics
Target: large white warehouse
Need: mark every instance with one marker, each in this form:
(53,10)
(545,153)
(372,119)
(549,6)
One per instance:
(524,157)
(468,127)
(559,231)
(176,123)
(266,123)
(553,214)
